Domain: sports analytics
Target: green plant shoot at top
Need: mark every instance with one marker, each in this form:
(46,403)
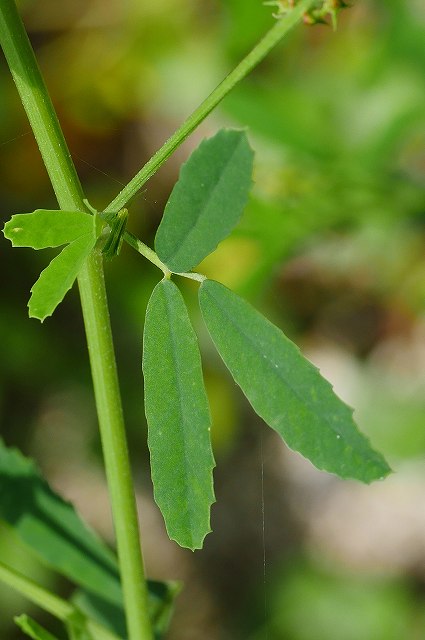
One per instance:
(113,600)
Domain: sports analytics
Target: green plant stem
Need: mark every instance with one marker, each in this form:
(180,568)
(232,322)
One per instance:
(65,182)
(254,57)
(102,358)
(150,255)
(191,275)
(36,594)
(146,251)
(47,601)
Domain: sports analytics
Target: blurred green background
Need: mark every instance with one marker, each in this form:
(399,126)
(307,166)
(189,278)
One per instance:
(331,248)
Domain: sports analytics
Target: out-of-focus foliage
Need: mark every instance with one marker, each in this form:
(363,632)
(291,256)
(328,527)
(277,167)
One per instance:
(327,605)
(331,246)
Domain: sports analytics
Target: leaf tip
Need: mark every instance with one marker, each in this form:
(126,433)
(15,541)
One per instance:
(382,472)
(9,231)
(33,313)
(192,545)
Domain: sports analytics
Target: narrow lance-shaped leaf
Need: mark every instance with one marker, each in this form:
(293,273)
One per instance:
(207,201)
(55,532)
(32,629)
(178,418)
(52,528)
(285,389)
(45,228)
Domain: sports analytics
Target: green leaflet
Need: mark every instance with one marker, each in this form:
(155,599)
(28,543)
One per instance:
(45,228)
(178,418)
(32,629)
(285,389)
(52,528)
(58,277)
(207,201)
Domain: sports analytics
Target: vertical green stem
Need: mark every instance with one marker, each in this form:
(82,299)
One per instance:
(65,182)
(96,319)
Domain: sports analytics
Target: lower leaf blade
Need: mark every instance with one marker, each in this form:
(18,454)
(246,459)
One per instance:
(55,532)
(178,418)
(285,389)
(51,527)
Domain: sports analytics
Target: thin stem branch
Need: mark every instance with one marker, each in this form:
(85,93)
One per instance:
(36,594)
(67,187)
(192,275)
(146,251)
(47,600)
(254,57)
(150,255)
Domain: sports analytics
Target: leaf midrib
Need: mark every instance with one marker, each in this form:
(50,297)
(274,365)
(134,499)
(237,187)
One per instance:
(192,229)
(277,373)
(182,412)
